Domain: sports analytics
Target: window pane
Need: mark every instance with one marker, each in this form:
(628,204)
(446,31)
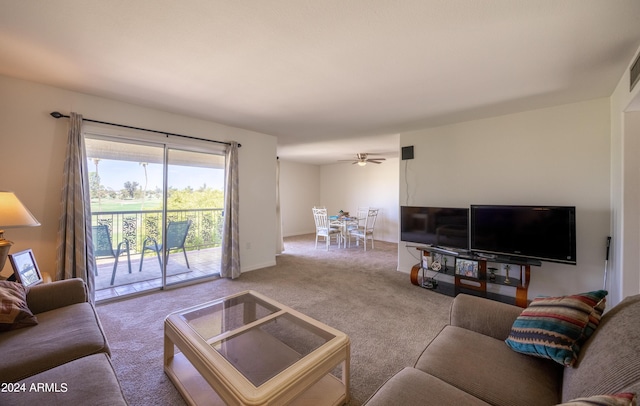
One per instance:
(195,195)
(127,196)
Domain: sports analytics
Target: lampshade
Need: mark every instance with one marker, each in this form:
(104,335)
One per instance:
(13,213)
(362,163)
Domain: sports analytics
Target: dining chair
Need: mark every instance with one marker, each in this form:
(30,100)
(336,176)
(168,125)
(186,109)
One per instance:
(332,222)
(359,221)
(366,232)
(324,228)
(103,247)
(176,236)
(323,209)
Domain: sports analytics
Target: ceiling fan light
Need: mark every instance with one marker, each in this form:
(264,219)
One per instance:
(362,163)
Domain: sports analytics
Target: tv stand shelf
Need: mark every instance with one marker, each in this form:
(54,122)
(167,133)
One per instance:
(484,279)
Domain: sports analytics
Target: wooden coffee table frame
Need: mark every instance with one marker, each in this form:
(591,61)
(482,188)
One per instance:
(204,377)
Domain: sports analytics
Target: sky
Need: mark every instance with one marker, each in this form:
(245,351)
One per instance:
(113,174)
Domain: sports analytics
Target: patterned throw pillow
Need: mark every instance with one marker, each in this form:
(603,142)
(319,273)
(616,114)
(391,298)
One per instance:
(594,319)
(620,399)
(556,327)
(14,312)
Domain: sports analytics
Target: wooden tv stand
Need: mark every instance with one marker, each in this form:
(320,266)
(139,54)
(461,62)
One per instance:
(453,278)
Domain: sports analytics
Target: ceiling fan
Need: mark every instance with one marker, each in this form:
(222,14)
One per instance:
(363,158)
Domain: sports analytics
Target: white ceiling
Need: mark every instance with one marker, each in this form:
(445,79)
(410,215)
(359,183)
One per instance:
(329,78)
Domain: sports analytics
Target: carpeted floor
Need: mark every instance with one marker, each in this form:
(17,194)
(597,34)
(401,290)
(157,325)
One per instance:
(388,320)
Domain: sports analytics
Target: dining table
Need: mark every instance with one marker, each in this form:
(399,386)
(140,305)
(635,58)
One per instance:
(343,222)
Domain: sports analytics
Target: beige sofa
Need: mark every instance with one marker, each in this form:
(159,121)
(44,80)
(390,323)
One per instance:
(468,363)
(65,358)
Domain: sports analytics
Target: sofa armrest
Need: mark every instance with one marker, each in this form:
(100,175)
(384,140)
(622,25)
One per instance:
(49,296)
(484,316)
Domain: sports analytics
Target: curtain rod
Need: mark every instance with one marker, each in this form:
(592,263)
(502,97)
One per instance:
(57,115)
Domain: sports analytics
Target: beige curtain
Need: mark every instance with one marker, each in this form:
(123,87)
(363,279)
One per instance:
(230,267)
(279,239)
(75,257)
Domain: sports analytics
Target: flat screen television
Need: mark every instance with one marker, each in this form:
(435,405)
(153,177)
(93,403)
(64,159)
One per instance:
(545,233)
(446,227)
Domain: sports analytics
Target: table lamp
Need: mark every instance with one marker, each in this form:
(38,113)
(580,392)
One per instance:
(13,214)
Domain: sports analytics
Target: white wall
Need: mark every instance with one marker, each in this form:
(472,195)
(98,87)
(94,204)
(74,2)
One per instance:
(625,190)
(554,156)
(299,192)
(339,187)
(628,283)
(347,187)
(32,150)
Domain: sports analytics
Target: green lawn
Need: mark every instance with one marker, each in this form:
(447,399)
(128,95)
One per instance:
(125,205)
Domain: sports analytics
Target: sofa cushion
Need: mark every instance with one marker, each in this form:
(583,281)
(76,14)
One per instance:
(620,399)
(61,335)
(488,317)
(610,360)
(556,327)
(49,296)
(14,312)
(414,387)
(89,380)
(488,369)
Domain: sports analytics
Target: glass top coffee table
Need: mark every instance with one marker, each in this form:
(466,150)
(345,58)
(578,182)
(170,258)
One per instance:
(247,349)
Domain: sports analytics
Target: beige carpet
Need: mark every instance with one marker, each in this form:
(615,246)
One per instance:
(388,320)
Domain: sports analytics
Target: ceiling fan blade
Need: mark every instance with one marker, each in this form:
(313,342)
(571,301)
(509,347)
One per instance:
(362,158)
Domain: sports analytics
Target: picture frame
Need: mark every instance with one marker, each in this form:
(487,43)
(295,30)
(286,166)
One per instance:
(467,267)
(25,268)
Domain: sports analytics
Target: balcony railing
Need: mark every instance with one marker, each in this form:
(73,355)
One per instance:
(135,226)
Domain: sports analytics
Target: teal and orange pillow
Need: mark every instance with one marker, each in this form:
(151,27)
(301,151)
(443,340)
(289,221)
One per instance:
(557,327)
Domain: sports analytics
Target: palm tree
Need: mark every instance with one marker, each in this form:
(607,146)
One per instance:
(96,161)
(146,181)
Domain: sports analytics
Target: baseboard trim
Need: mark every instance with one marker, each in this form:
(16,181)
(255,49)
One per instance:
(258,266)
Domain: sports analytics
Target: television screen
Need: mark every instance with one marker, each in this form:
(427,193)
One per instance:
(445,227)
(545,233)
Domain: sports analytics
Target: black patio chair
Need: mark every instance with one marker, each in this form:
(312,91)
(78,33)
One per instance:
(103,247)
(176,237)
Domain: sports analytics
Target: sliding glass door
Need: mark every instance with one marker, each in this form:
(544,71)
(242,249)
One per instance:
(158,210)
(195,202)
